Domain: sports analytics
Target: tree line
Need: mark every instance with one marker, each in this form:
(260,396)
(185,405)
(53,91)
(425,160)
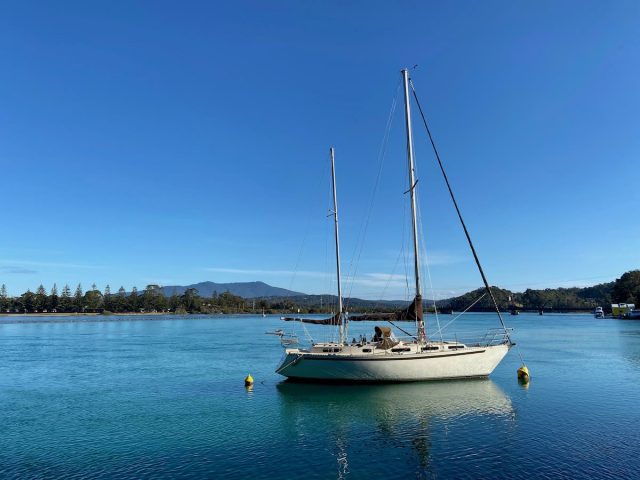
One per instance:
(625,289)
(149,300)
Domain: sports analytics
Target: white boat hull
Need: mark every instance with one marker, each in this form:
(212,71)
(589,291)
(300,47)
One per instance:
(466,363)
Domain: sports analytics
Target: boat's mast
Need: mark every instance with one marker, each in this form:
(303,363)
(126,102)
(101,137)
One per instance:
(341,318)
(412,188)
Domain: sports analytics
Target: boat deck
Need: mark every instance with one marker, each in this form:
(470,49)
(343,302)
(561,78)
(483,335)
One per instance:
(371,349)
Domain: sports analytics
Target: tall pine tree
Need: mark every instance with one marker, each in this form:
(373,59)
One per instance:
(78,299)
(40,299)
(65,299)
(134,303)
(107,299)
(4,298)
(53,299)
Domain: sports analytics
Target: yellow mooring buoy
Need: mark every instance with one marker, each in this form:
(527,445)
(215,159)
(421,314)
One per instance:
(248,381)
(523,374)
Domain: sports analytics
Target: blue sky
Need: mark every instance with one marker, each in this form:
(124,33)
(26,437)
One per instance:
(176,142)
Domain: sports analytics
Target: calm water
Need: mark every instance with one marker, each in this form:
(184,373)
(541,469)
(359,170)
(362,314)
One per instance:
(164,398)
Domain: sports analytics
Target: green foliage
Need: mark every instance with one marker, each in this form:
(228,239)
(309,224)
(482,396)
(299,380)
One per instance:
(133,300)
(53,301)
(78,301)
(27,302)
(567,298)
(40,299)
(107,300)
(65,299)
(190,300)
(484,304)
(151,300)
(93,301)
(4,299)
(627,288)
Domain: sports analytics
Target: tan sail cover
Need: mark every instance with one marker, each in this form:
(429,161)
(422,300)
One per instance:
(383,338)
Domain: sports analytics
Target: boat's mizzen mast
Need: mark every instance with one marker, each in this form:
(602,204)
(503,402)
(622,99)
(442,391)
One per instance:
(341,318)
(412,187)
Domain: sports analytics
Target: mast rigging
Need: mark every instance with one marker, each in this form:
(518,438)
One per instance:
(341,318)
(417,306)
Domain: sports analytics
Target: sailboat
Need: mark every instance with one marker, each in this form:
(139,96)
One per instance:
(386,358)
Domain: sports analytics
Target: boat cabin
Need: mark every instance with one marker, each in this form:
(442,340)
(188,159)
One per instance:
(383,342)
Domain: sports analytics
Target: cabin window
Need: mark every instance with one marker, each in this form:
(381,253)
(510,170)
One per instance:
(366,350)
(430,348)
(336,349)
(401,349)
(326,349)
(455,347)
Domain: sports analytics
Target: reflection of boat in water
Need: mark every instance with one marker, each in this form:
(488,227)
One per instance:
(349,424)
(403,400)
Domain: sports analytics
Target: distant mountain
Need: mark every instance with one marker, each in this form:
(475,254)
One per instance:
(358,304)
(559,299)
(264,291)
(242,289)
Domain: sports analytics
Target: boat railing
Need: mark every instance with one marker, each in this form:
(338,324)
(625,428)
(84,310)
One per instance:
(485,338)
(494,336)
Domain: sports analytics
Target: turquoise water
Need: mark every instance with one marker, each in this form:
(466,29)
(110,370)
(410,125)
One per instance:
(164,398)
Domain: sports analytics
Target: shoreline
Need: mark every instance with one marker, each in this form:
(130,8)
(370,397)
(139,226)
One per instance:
(77,314)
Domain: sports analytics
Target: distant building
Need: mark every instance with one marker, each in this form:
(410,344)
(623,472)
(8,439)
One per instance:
(622,309)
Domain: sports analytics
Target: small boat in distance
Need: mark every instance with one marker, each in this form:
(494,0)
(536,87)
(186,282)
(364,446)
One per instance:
(386,358)
(599,312)
(633,314)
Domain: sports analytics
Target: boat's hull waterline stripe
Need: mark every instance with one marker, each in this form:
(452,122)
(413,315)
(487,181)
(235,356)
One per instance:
(381,358)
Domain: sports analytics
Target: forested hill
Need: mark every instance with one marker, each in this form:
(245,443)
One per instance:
(625,289)
(241,289)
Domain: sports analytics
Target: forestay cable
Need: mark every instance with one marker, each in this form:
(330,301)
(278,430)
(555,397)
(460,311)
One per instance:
(464,226)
